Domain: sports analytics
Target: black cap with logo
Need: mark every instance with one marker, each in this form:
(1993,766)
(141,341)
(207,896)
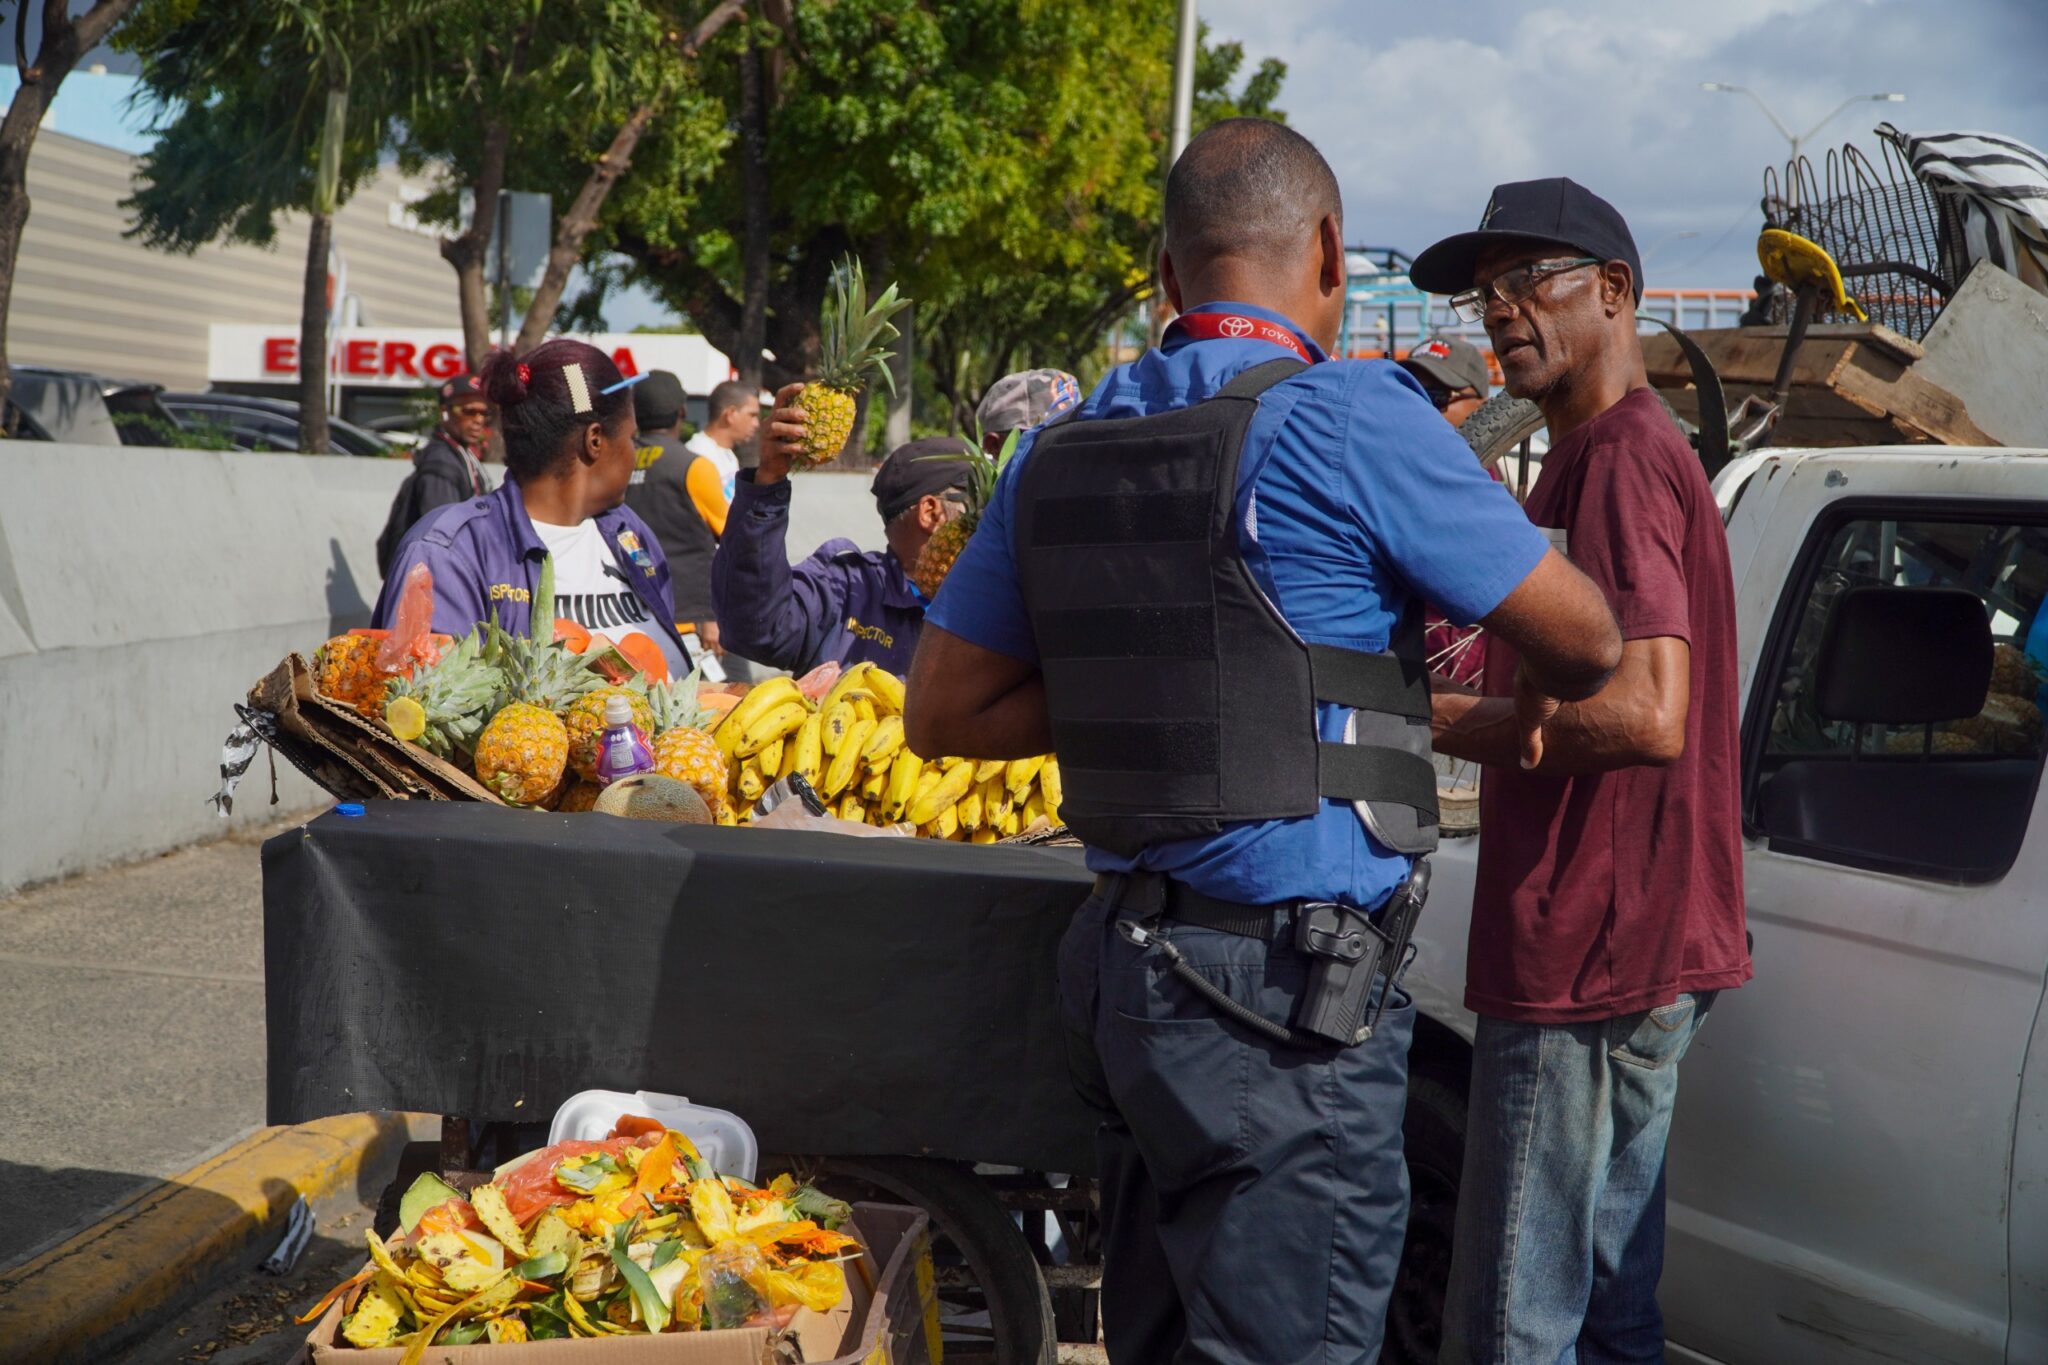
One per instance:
(459,389)
(1557,210)
(910,473)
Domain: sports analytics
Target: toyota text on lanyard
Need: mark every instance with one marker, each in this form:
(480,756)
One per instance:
(1237,327)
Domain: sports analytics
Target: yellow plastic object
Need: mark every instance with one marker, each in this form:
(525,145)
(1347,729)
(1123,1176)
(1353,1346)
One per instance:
(1797,263)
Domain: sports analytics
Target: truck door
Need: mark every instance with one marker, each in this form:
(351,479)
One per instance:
(1841,1162)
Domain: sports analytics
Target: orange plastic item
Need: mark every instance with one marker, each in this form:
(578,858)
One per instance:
(411,641)
(532,1187)
(572,635)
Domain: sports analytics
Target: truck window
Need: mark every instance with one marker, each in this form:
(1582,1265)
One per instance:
(1876,738)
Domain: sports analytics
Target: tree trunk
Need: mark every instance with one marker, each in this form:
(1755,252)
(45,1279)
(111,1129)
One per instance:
(313,338)
(466,251)
(755,227)
(577,224)
(63,40)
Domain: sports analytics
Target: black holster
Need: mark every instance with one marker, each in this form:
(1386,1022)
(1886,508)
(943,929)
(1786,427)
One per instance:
(1347,952)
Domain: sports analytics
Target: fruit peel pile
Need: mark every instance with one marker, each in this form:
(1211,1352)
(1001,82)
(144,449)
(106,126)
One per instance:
(848,744)
(635,1234)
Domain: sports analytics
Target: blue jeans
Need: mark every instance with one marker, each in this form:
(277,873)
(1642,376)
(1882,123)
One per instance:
(1254,1197)
(1560,1235)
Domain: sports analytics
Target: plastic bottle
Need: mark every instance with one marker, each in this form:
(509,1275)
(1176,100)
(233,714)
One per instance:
(623,750)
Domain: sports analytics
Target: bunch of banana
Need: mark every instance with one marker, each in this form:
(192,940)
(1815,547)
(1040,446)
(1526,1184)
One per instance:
(849,747)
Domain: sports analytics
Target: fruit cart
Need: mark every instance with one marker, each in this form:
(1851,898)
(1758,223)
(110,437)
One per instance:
(880,1011)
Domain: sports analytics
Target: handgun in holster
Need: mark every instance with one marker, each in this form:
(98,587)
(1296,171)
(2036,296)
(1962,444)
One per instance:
(1347,949)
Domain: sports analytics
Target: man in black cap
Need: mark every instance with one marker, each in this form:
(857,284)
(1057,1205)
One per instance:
(1453,373)
(842,604)
(447,468)
(1608,908)
(680,495)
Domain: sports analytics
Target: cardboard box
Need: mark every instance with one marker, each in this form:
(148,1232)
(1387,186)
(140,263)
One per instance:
(889,1317)
(349,756)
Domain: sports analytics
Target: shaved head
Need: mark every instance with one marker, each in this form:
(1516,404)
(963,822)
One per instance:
(1248,188)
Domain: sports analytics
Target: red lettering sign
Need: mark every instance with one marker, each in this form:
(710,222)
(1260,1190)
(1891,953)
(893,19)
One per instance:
(398,358)
(623,358)
(280,355)
(441,361)
(359,356)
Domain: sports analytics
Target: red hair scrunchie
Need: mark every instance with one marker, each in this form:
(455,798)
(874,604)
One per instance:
(525,373)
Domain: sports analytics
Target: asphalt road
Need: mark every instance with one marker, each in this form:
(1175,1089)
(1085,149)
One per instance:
(131,1002)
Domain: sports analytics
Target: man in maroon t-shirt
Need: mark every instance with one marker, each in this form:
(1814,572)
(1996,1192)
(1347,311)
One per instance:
(1608,910)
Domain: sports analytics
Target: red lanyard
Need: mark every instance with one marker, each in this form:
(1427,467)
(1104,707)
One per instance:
(1237,327)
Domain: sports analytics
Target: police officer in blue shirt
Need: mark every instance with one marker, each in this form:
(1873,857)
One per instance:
(1204,592)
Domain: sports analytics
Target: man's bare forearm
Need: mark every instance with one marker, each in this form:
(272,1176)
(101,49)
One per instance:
(1638,719)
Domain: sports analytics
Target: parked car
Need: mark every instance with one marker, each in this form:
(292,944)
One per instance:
(83,409)
(1859,1159)
(267,423)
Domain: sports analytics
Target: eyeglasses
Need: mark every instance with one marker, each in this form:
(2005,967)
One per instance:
(1513,286)
(1443,398)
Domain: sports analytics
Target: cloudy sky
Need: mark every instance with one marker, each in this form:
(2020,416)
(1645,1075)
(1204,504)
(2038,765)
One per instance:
(1422,108)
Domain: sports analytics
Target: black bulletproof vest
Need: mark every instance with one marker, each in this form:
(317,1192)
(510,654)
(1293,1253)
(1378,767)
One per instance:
(1181,701)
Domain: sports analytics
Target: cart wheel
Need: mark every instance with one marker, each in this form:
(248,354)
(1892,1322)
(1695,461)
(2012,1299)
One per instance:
(1434,1142)
(993,1305)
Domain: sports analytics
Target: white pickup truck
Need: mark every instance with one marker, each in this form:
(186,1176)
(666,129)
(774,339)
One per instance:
(1859,1160)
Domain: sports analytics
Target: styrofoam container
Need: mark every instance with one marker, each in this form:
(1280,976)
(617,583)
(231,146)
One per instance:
(721,1135)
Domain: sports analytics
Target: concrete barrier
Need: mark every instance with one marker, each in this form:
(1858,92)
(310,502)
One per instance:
(142,591)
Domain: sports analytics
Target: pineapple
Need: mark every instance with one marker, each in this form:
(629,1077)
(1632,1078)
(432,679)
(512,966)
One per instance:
(584,718)
(523,753)
(852,333)
(581,797)
(445,705)
(345,670)
(683,747)
(935,561)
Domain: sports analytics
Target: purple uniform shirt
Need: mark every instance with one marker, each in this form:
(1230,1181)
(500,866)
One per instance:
(485,557)
(843,604)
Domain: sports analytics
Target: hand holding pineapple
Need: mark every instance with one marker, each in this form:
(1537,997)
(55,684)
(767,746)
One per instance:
(812,422)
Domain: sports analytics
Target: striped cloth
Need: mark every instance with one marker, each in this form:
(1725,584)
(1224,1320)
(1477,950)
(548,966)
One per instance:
(2000,187)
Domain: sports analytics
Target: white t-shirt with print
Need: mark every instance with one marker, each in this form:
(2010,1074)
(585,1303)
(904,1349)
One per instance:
(724,461)
(592,591)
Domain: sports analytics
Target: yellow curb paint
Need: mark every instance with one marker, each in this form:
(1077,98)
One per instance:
(162,1247)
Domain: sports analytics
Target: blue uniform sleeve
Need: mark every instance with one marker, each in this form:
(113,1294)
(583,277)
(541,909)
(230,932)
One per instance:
(460,602)
(1458,538)
(981,600)
(766,611)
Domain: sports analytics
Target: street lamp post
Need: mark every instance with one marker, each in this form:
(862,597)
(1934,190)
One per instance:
(1799,140)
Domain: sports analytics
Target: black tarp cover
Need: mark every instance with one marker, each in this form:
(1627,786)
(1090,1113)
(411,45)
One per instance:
(845,996)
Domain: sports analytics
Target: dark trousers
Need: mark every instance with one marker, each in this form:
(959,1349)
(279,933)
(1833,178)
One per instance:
(1253,1194)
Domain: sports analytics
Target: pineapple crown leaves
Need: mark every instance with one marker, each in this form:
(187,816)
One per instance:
(854,331)
(675,703)
(982,471)
(457,693)
(543,623)
(536,669)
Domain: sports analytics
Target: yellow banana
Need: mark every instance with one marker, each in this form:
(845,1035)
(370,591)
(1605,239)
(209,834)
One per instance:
(751,785)
(1021,773)
(864,707)
(969,808)
(810,749)
(1012,825)
(904,771)
(883,743)
(787,763)
(995,800)
(850,684)
(770,726)
(847,761)
(987,768)
(927,778)
(984,835)
(952,785)
(875,787)
(762,698)
(1049,782)
(839,718)
(946,824)
(722,814)
(888,690)
(1033,810)
(850,808)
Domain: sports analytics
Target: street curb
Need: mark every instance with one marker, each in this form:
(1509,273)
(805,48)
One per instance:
(116,1280)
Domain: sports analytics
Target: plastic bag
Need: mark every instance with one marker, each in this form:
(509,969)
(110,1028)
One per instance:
(726,1274)
(411,640)
(820,680)
(530,1186)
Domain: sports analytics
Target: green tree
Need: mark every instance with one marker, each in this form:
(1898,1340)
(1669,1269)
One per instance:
(64,39)
(271,106)
(1001,159)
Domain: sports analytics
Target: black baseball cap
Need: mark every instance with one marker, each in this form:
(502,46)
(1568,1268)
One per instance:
(909,474)
(658,400)
(459,389)
(1558,210)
